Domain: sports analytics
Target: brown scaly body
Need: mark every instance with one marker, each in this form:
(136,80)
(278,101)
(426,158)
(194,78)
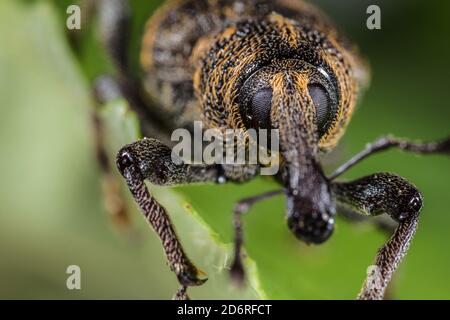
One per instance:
(254,64)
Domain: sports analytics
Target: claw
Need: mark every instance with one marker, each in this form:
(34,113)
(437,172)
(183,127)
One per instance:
(192,277)
(237,273)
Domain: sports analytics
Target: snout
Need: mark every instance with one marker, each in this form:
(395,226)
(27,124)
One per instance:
(308,221)
(310,206)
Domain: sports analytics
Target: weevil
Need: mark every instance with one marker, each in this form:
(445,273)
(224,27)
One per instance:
(252,64)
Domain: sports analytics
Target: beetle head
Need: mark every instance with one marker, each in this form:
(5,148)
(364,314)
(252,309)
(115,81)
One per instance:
(299,78)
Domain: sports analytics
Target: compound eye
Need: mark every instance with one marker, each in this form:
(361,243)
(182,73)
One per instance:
(322,102)
(260,106)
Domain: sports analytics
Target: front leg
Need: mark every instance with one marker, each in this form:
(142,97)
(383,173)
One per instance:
(114,23)
(374,195)
(149,159)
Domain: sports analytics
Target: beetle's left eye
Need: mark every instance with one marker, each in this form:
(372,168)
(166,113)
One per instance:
(260,106)
(322,102)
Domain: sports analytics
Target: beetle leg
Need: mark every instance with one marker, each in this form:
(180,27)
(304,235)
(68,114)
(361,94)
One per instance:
(181,294)
(114,22)
(113,199)
(374,195)
(388,259)
(383,223)
(384,143)
(114,203)
(149,159)
(237,268)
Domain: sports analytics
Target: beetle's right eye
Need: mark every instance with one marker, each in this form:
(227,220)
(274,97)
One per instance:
(322,102)
(260,106)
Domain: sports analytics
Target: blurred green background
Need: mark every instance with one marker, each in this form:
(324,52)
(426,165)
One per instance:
(51,213)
